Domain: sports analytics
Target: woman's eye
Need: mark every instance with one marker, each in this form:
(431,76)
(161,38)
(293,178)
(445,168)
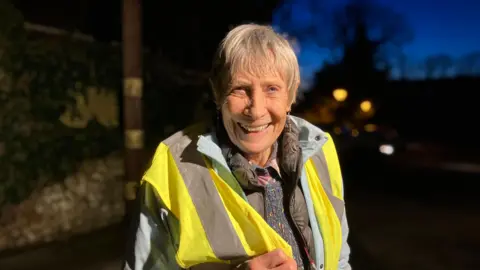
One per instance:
(239,91)
(272,89)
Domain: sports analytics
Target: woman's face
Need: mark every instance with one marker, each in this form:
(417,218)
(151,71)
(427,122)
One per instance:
(255,111)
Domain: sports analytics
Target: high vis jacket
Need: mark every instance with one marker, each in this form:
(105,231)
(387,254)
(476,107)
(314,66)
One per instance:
(195,212)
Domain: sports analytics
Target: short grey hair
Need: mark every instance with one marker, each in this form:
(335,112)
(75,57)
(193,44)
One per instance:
(255,49)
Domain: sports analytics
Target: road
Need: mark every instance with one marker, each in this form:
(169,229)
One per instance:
(399,219)
(101,250)
(413,218)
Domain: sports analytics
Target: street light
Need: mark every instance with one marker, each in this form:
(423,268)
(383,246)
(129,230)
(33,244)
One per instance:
(340,94)
(366,106)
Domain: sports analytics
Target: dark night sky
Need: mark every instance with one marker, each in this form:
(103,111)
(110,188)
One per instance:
(440,26)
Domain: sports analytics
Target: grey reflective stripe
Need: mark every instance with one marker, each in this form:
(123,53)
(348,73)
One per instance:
(321,165)
(143,242)
(216,223)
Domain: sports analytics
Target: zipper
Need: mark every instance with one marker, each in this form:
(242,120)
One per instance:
(303,242)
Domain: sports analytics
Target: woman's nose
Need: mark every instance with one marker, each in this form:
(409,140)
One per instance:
(256,108)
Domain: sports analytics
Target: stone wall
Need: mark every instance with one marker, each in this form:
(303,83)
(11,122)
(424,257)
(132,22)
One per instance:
(89,199)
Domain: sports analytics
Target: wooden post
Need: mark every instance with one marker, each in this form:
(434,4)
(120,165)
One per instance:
(132,96)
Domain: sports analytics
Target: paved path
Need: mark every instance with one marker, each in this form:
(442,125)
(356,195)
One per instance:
(408,235)
(101,250)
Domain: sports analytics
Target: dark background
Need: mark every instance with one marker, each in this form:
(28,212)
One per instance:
(415,208)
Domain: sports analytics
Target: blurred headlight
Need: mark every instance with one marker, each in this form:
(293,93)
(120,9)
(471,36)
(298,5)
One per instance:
(387,149)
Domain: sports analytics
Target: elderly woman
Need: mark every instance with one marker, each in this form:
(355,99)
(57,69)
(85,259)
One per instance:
(258,189)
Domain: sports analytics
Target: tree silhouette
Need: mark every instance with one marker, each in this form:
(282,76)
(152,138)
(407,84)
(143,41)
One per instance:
(386,29)
(438,65)
(403,65)
(314,24)
(365,39)
(468,64)
(368,22)
(370,37)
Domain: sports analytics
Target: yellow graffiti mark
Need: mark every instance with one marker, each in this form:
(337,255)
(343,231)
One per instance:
(98,104)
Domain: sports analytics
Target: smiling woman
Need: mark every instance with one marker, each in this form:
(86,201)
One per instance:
(260,189)
(255,84)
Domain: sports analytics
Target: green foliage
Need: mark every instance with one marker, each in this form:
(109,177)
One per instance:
(38,73)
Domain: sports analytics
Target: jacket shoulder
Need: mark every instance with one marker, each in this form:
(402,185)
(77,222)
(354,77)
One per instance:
(184,137)
(180,146)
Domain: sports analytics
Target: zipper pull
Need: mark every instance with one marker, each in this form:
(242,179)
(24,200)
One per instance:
(312,262)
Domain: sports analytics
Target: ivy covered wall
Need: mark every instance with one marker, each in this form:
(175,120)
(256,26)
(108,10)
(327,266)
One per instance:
(58,104)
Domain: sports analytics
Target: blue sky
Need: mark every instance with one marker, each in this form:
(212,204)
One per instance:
(440,26)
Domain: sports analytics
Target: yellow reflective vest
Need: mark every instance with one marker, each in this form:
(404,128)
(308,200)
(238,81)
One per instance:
(216,222)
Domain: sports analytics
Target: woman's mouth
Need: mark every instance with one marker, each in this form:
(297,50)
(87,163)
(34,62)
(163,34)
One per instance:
(252,128)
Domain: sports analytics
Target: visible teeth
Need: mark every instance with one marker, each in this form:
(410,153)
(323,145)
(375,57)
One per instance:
(254,129)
